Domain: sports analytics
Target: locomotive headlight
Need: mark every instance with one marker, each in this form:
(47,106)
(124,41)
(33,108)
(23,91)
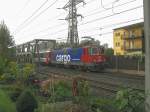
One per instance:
(99,59)
(94,60)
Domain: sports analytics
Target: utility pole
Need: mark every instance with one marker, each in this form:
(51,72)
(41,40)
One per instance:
(147,51)
(73,39)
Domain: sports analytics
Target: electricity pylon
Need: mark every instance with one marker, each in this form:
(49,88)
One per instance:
(73,39)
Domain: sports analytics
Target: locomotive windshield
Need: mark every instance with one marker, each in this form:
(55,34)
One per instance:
(95,51)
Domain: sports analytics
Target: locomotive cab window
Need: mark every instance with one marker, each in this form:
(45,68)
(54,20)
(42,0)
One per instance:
(93,51)
(101,50)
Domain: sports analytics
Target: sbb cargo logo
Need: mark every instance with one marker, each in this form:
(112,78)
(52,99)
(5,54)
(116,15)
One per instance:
(63,58)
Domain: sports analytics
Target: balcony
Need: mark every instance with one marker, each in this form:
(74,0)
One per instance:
(132,37)
(133,49)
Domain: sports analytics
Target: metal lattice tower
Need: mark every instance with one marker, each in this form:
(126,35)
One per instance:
(73,39)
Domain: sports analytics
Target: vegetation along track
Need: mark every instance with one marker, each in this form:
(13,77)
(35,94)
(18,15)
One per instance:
(103,82)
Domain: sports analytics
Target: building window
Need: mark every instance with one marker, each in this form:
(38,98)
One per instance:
(124,33)
(117,44)
(121,37)
(121,47)
(131,34)
(118,53)
(117,34)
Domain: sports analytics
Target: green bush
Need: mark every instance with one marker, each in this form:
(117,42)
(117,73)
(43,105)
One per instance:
(26,102)
(15,93)
(130,100)
(102,104)
(3,66)
(8,70)
(127,100)
(62,91)
(5,103)
(14,69)
(28,69)
(8,78)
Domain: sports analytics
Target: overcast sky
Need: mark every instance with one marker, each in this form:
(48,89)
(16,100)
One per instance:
(48,25)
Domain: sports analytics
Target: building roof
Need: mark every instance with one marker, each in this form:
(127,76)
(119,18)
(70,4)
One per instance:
(141,24)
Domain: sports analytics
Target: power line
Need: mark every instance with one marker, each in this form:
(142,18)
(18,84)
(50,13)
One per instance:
(31,15)
(110,8)
(46,29)
(100,34)
(87,15)
(94,20)
(103,27)
(106,26)
(113,6)
(55,33)
(99,19)
(111,25)
(111,3)
(41,13)
(63,13)
(115,24)
(25,5)
(51,19)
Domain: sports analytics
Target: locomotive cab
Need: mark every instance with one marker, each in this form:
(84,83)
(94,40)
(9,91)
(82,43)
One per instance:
(94,57)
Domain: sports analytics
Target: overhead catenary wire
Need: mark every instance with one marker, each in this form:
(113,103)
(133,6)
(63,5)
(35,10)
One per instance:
(39,14)
(89,15)
(58,16)
(113,6)
(46,29)
(102,5)
(99,34)
(44,11)
(23,8)
(110,8)
(87,23)
(105,26)
(98,19)
(31,15)
(63,13)
(111,25)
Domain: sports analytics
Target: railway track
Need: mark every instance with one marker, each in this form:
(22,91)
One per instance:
(108,88)
(105,83)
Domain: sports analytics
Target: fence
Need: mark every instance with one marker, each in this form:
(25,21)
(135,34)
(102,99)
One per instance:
(124,62)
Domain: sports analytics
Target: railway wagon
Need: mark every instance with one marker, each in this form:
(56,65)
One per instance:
(43,57)
(91,58)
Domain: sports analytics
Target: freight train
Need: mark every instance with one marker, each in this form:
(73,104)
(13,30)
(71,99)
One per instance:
(86,58)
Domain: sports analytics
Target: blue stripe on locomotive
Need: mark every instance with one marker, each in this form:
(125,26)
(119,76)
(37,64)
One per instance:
(76,54)
(67,55)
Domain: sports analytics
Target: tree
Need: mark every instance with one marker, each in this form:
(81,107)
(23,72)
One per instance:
(26,102)
(6,40)
(130,100)
(109,52)
(5,103)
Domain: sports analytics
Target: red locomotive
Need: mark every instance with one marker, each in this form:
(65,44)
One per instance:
(87,58)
